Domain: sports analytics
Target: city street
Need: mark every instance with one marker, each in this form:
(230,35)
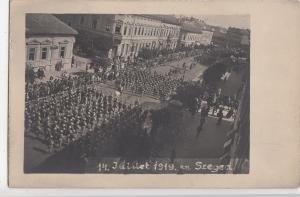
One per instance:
(130,88)
(36,151)
(180,137)
(207,145)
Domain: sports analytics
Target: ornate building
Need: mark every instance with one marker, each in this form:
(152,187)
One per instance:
(238,37)
(192,35)
(123,35)
(145,31)
(49,43)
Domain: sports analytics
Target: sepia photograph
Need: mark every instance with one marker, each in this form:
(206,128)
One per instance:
(147,94)
(137,94)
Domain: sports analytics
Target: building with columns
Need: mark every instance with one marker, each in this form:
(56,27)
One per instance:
(49,42)
(192,35)
(123,35)
(145,31)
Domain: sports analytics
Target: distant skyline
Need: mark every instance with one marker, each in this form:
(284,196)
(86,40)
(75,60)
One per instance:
(239,21)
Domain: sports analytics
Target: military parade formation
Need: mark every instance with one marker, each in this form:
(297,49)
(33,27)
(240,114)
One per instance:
(66,110)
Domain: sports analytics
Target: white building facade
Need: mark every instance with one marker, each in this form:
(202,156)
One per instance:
(190,38)
(129,33)
(138,32)
(49,43)
(48,51)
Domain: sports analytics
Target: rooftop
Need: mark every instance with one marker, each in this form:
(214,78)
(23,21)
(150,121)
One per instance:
(191,28)
(47,24)
(164,18)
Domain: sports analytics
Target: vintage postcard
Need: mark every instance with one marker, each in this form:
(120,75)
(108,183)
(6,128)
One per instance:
(153,94)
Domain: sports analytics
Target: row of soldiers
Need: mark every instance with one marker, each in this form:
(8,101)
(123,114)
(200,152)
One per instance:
(60,120)
(145,82)
(58,85)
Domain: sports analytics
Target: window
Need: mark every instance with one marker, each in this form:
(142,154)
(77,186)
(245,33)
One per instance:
(130,30)
(81,20)
(127,49)
(125,30)
(107,27)
(142,31)
(139,31)
(31,54)
(135,30)
(62,51)
(94,23)
(122,49)
(44,53)
(118,29)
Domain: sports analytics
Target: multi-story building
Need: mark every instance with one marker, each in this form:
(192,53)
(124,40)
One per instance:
(94,33)
(237,37)
(219,34)
(170,30)
(205,38)
(192,35)
(49,42)
(145,31)
(123,35)
(237,146)
(219,38)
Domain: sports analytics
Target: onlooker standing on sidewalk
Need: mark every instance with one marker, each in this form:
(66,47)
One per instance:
(220,116)
(203,115)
